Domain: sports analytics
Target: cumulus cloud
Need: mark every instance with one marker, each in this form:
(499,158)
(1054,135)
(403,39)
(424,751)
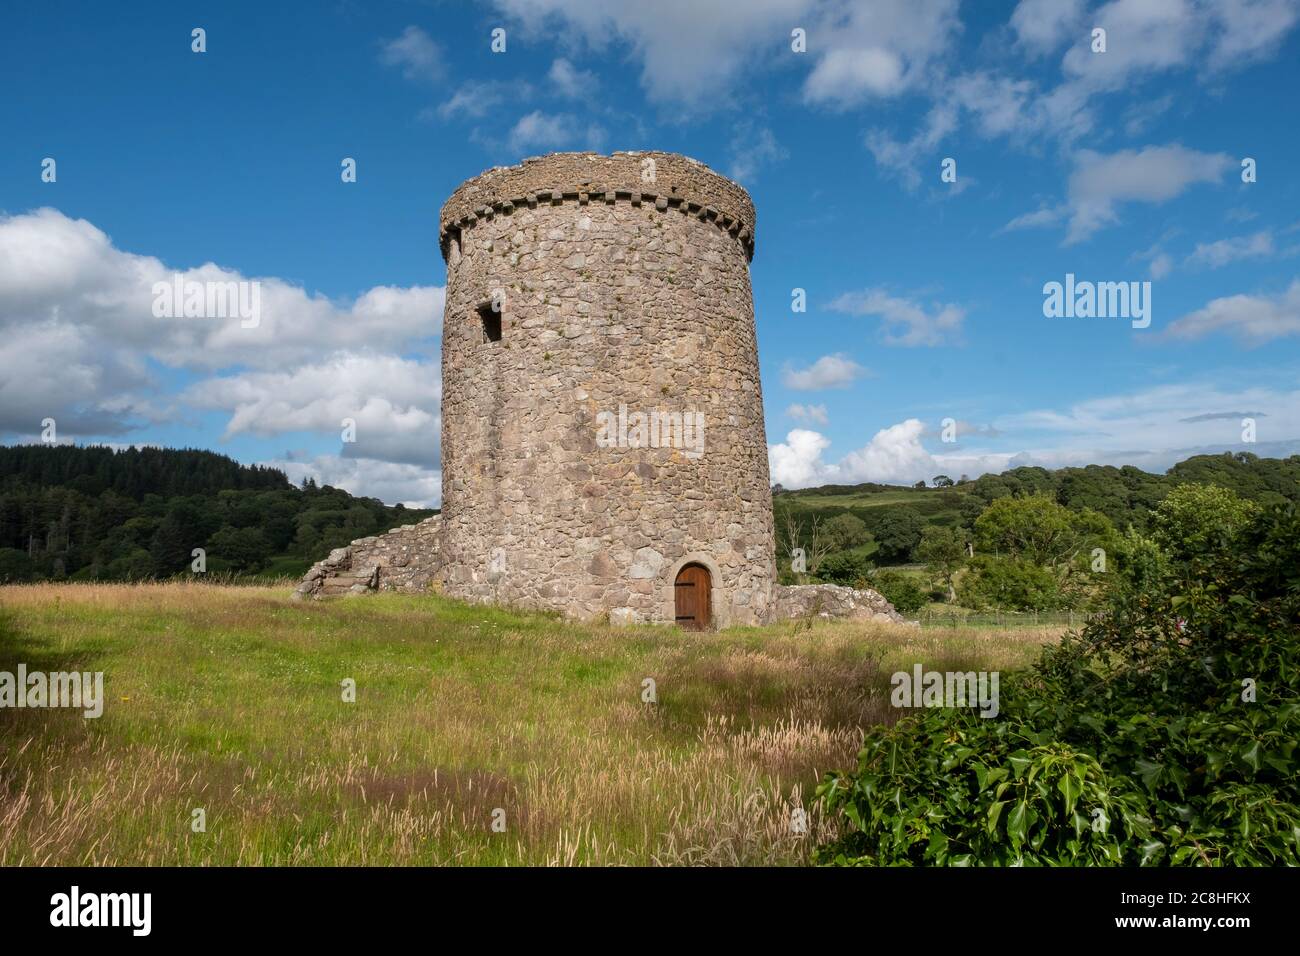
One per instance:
(394,403)
(905,321)
(893,455)
(829,371)
(549,131)
(878,50)
(80,342)
(66,274)
(1151,429)
(1254,319)
(693,52)
(410,485)
(1042,26)
(1100,182)
(690,51)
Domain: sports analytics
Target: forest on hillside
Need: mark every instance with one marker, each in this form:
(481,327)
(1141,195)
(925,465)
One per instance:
(95,513)
(1026,539)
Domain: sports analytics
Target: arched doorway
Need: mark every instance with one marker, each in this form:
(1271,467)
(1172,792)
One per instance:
(691,593)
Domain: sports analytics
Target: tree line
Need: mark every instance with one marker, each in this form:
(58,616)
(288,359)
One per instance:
(96,513)
(1026,539)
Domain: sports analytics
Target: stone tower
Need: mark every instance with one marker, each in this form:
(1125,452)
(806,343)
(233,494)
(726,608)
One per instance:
(602,419)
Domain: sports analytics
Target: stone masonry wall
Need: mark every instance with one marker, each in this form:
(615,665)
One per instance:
(832,600)
(616,293)
(404,559)
(621,285)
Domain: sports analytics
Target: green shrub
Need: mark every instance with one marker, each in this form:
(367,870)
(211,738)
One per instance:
(899,589)
(844,568)
(1009,583)
(1164,734)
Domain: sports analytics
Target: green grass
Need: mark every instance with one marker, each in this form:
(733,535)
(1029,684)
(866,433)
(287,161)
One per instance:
(229,699)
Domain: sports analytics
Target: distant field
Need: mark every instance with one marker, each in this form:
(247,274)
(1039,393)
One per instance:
(228,699)
(874,499)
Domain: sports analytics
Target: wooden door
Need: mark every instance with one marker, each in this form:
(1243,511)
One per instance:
(691,593)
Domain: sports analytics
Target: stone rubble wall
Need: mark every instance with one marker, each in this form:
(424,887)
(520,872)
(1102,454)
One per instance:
(404,559)
(408,559)
(832,601)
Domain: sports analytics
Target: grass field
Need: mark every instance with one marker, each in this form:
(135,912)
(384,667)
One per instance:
(229,699)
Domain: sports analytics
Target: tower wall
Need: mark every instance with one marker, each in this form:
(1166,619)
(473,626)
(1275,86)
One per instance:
(624,288)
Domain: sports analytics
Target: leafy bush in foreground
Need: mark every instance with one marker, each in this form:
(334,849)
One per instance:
(1164,734)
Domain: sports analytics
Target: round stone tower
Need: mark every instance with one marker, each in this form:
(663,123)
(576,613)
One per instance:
(603,448)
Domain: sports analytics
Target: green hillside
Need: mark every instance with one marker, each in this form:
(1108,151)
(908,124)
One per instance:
(871,534)
(95,513)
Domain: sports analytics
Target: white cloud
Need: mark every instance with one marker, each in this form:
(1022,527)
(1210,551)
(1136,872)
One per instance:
(1150,429)
(829,371)
(848,76)
(415,54)
(690,51)
(905,321)
(571,82)
(410,485)
(62,273)
(1254,319)
(895,455)
(1218,254)
(878,50)
(796,462)
(1142,36)
(78,333)
(549,131)
(1153,174)
(813,414)
(1246,30)
(1041,26)
(394,402)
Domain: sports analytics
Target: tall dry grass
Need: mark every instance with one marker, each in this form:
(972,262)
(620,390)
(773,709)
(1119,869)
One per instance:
(229,700)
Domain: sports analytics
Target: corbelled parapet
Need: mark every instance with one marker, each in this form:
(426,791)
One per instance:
(667,181)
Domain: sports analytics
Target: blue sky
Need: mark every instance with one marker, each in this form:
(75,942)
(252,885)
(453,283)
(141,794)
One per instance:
(924,297)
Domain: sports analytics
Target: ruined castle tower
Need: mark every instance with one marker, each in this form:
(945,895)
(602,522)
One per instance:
(602,419)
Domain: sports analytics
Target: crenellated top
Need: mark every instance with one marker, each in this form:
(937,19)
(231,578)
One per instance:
(668,181)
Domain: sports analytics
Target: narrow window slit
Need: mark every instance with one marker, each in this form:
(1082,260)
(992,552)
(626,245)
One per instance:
(491,320)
